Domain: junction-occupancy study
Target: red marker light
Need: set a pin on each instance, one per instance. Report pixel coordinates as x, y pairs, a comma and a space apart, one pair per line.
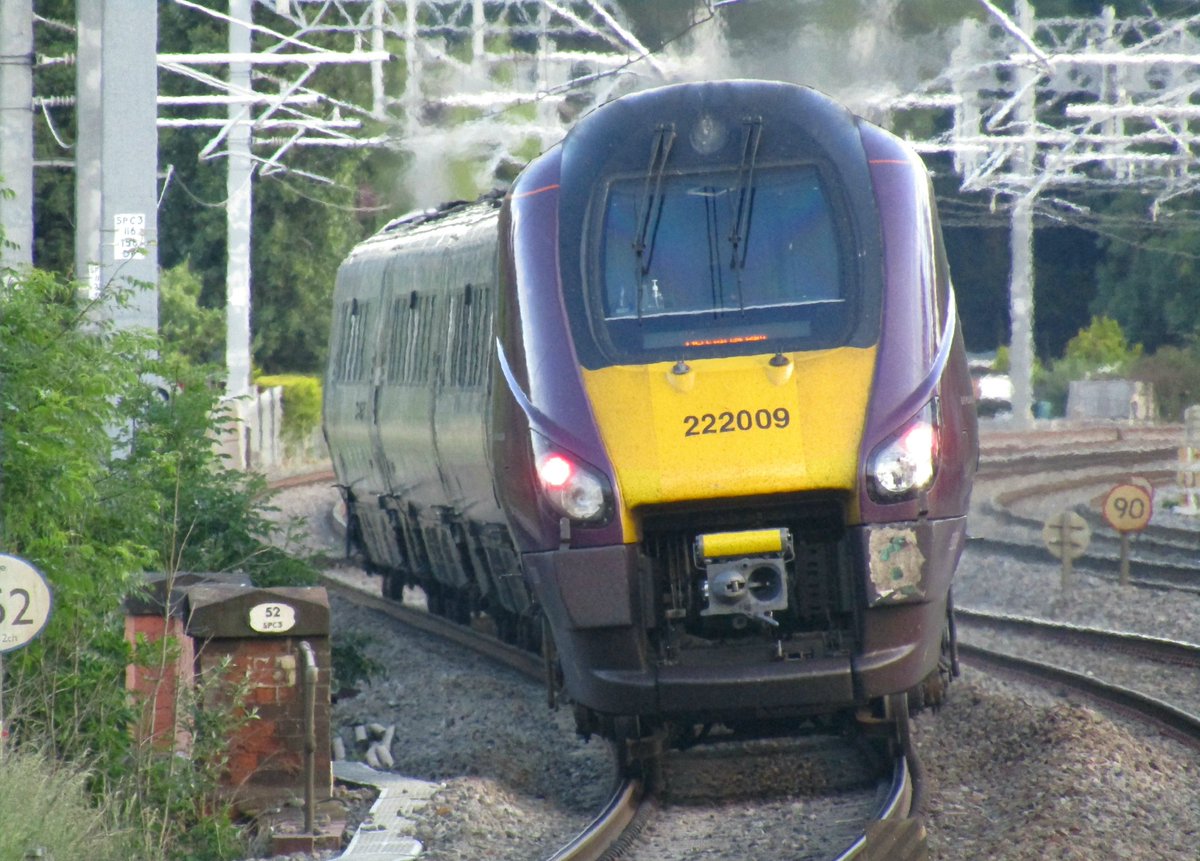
919, 439
555, 471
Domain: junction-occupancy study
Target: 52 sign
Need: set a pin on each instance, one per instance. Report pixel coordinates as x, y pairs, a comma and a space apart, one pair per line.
25, 602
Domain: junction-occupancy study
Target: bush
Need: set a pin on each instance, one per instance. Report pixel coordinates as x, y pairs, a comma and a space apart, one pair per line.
105, 477
1175, 374
301, 407
1099, 352
187, 328
352, 665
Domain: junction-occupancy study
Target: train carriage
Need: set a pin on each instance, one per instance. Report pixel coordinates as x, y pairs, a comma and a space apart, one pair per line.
697, 399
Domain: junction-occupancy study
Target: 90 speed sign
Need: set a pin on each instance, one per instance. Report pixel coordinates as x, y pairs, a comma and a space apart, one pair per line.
1128, 507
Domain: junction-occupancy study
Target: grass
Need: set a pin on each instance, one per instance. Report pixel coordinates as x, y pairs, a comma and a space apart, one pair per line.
47, 812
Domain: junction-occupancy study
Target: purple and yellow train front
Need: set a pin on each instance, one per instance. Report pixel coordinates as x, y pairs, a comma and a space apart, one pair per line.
732, 429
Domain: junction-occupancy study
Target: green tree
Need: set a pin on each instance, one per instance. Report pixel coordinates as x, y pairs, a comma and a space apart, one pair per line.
188, 329
1175, 375
106, 476
1149, 277
1102, 347
1099, 351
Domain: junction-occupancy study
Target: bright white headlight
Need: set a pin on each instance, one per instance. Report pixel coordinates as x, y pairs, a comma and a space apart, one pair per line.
907, 462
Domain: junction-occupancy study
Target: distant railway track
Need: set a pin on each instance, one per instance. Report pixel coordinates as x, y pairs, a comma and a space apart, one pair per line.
318, 476
1157, 649
1152, 653
1088, 462
1144, 573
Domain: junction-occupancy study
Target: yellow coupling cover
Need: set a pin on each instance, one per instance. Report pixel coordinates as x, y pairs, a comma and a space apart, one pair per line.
752, 542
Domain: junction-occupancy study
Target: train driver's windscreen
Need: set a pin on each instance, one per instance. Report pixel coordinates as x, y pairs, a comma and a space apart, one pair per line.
695, 263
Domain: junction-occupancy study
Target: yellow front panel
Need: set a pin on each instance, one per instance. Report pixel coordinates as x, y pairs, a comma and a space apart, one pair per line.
733, 426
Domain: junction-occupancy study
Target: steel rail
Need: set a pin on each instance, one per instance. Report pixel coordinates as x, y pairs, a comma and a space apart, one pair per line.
1144, 574
627, 807
1183, 726
621, 818
1160, 649
520, 660
895, 834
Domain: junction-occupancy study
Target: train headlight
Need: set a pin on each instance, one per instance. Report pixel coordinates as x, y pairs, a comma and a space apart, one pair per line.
906, 462
572, 488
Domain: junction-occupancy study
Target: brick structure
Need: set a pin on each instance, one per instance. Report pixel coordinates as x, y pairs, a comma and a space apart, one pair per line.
266, 754
157, 687
162, 675
259, 633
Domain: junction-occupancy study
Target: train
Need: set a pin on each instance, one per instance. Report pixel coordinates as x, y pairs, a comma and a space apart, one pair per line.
685, 407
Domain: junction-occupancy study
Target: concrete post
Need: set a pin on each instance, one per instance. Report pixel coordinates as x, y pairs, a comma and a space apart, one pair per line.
116, 157
16, 132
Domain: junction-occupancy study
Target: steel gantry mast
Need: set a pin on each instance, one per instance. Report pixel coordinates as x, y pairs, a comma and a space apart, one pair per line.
482, 86
452, 110
1043, 109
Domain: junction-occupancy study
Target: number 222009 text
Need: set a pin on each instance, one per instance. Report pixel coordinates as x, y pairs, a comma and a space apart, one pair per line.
742, 420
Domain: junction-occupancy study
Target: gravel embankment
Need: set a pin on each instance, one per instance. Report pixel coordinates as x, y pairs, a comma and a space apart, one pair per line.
1014, 772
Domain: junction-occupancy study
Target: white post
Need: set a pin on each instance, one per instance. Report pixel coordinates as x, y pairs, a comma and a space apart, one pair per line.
239, 211
1021, 350
16, 132
116, 157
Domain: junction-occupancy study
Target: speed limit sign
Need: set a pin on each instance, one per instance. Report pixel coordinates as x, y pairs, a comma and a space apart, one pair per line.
24, 603
1128, 507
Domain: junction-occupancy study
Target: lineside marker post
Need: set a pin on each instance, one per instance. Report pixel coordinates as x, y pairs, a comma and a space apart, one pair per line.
1128, 508
1189, 462
1066, 535
25, 602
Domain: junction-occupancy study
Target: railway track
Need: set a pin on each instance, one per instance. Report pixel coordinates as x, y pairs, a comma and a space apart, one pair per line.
1145, 696
883, 806
1017, 485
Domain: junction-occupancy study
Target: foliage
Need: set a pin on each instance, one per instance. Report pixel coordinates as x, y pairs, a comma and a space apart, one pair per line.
1003, 361
61, 399
301, 406
1099, 351
188, 330
45, 806
351, 663
296, 257
178, 800
104, 477
213, 518
1175, 374
1149, 278
1102, 347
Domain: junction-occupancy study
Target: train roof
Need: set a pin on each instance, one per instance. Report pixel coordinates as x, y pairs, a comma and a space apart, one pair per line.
432, 229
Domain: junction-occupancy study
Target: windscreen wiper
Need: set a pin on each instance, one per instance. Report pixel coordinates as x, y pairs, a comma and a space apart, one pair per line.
712, 236
649, 211
739, 236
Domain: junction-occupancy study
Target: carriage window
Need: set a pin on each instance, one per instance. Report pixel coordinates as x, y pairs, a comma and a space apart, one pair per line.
723, 256
353, 338
407, 361
470, 325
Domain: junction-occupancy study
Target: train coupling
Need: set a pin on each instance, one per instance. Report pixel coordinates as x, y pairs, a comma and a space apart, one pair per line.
745, 572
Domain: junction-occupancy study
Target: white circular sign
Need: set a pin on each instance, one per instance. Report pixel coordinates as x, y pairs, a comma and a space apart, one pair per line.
272, 618
25, 602
1066, 535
